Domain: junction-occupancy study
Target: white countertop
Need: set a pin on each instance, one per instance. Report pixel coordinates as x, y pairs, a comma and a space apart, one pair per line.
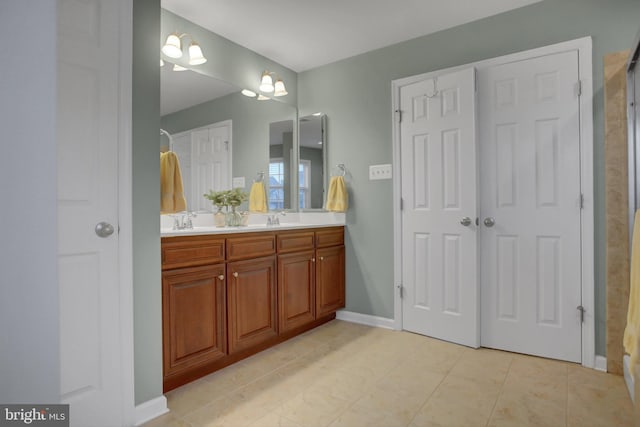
203, 224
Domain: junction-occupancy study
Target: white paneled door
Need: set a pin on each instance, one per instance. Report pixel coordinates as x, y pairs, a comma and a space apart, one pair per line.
530, 206
210, 162
439, 247
92, 325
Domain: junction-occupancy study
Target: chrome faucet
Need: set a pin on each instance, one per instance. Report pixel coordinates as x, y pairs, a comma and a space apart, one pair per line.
273, 219
183, 221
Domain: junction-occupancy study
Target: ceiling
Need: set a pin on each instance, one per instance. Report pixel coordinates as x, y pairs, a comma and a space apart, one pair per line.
305, 34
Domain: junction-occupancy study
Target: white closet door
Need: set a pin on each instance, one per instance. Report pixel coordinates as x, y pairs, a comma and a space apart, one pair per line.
210, 162
438, 162
530, 188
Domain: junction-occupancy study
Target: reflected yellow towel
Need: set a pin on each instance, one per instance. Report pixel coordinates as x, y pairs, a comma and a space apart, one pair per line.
632, 331
258, 198
171, 192
337, 199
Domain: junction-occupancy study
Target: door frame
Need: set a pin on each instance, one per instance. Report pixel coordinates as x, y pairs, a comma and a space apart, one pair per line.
585, 58
125, 210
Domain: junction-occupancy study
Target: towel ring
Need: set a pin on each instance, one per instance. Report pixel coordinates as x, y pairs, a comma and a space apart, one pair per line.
259, 177
342, 169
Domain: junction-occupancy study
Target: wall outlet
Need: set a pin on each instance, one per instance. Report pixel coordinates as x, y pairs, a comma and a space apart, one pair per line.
238, 181
379, 172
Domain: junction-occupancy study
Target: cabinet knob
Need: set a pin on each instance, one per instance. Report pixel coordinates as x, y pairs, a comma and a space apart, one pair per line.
221, 277
321, 258
313, 260
235, 274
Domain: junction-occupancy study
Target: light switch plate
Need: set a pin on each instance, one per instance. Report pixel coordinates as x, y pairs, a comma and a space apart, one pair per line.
379, 172
238, 182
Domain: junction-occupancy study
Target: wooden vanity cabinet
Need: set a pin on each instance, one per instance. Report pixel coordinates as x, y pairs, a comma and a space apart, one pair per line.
251, 302
330, 270
193, 317
329, 280
296, 279
226, 297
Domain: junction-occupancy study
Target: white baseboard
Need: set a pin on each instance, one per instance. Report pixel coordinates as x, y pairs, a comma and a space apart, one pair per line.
601, 364
151, 409
365, 319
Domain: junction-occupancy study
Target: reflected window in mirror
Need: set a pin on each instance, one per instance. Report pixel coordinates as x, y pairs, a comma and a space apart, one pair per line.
304, 184
281, 165
312, 172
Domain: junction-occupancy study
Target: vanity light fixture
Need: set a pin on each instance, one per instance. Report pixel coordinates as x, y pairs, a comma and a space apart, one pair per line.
267, 86
177, 67
173, 49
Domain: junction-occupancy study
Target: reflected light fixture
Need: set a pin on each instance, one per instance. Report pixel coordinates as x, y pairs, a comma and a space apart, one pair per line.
279, 88
261, 97
267, 86
173, 49
266, 83
177, 67
249, 93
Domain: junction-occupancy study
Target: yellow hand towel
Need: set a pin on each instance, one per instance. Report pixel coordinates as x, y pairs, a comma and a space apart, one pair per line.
171, 192
258, 198
337, 199
632, 331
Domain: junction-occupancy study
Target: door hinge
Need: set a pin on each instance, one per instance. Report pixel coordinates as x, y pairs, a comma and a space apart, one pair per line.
399, 115
579, 88
581, 201
581, 310
401, 290
401, 203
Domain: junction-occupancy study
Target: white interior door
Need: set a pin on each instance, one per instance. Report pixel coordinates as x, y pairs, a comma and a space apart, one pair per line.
438, 166
210, 162
530, 188
91, 343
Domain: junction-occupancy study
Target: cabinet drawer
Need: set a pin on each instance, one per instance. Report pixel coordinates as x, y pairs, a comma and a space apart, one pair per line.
295, 241
255, 245
191, 251
330, 237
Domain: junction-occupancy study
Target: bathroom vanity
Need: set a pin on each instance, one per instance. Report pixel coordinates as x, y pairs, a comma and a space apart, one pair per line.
230, 294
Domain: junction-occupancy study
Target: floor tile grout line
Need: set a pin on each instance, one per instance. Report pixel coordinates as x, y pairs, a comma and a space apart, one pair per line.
495, 404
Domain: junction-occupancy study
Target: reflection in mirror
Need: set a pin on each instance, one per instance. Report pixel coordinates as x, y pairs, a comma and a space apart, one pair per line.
221, 137
281, 165
312, 165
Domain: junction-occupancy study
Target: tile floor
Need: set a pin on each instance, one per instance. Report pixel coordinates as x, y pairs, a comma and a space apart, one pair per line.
344, 374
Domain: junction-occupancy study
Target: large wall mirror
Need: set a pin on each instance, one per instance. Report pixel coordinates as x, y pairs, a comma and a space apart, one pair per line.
224, 139
312, 165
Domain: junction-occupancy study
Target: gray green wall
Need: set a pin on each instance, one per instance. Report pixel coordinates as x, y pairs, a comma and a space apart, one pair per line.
147, 296
356, 95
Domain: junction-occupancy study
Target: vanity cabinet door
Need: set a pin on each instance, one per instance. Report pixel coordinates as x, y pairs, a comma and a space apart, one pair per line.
193, 317
330, 280
296, 289
251, 302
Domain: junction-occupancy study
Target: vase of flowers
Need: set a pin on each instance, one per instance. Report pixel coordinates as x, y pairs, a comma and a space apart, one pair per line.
219, 200
235, 198
227, 199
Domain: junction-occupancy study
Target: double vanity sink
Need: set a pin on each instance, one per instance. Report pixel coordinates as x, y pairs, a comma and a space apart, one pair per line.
230, 292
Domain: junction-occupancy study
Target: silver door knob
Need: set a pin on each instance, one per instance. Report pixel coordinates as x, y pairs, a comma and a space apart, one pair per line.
104, 229
466, 221
489, 221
